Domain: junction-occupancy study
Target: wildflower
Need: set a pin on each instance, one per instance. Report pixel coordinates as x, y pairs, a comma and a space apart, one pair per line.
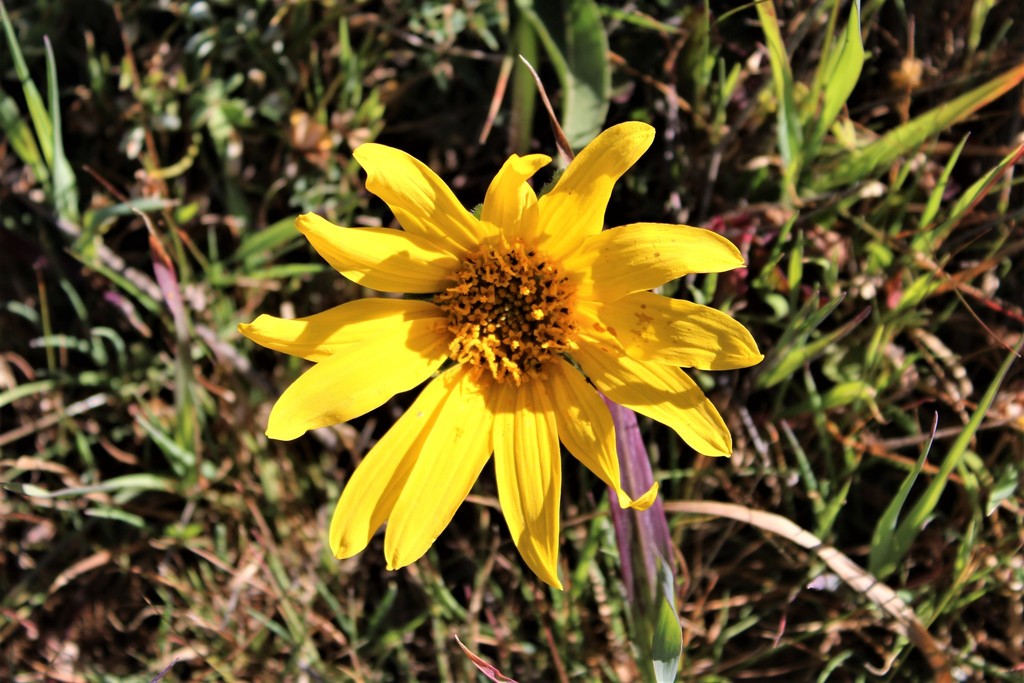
511, 315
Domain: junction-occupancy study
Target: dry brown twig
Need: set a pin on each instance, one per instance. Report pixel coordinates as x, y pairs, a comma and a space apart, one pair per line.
845, 568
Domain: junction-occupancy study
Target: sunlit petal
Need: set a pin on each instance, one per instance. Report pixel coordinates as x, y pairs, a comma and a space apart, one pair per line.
450, 460
661, 392
370, 494
380, 258
681, 333
321, 335
354, 381
640, 256
585, 427
511, 204
420, 200
528, 468
574, 208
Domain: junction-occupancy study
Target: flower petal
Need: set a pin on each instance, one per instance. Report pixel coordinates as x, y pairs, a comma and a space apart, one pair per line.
662, 330
370, 494
420, 200
585, 427
450, 460
661, 392
511, 204
380, 258
355, 380
317, 337
640, 256
574, 208
528, 469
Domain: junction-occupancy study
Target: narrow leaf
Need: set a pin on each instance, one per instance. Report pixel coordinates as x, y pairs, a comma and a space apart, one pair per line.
885, 554
794, 359
65, 185
483, 666
923, 508
931, 208
667, 639
790, 133
574, 38
588, 79
979, 189
667, 643
36, 107
843, 74
20, 136
140, 481
524, 93
182, 460
880, 154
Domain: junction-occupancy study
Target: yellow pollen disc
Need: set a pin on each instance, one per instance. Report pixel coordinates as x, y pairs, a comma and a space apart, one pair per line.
509, 311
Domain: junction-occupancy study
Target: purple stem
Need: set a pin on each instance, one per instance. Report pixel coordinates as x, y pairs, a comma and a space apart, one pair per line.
638, 534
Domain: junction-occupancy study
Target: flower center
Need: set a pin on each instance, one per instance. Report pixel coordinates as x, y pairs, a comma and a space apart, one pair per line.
510, 311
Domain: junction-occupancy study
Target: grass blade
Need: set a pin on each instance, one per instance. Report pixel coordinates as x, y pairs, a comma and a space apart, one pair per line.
524, 92
931, 208
978, 190
842, 73
885, 554
789, 363
923, 508
20, 137
667, 642
790, 133
880, 154
36, 107
65, 186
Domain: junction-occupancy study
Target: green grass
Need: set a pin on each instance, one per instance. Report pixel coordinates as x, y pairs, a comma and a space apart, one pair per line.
153, 157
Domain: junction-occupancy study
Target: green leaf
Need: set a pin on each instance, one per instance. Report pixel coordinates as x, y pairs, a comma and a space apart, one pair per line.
270, 242
524, 90
790, 133
667, 643
845, 393
94, 220
575, 40
931, 208
801, 325
977, 191
117, 514
880, 154
65, 185
885, 553
36, 107
588, 81
140, 481
278, 272
928, 241
923, 508
842, 74
19, 391
20, 137
667, 639
1004, 488
181, 459
805, 353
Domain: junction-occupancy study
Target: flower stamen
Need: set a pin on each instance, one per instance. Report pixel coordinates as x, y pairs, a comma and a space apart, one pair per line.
509, 312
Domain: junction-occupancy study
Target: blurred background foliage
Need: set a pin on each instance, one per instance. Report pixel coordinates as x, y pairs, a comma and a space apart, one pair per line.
153, 158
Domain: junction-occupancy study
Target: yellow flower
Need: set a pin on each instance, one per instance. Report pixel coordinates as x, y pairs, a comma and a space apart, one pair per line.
514, 312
